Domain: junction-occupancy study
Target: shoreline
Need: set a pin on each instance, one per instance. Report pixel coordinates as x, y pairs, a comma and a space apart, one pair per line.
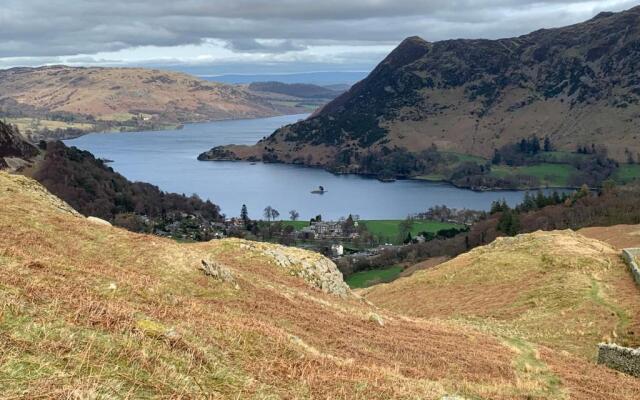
416, 179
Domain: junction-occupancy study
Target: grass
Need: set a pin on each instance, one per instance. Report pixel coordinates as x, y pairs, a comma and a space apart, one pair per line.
92, 311
558, 289
297, 225
37, 124
553, 175
372, 277
390, 229
455, 159
627, 173
119, 117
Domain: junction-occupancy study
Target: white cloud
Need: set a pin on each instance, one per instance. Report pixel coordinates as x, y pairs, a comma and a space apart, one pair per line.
259, 31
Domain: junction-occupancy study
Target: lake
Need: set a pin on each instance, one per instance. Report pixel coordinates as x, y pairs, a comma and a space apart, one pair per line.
168, 159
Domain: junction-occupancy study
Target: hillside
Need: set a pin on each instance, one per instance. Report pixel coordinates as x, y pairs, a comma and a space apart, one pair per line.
14, 150
88, 310
93, 188
302, 90
558, 288
576, 85
48, 100
91, 311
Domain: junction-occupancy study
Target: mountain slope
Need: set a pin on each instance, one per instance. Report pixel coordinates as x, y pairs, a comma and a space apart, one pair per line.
556, 288
88, 310
124, 97
577, 85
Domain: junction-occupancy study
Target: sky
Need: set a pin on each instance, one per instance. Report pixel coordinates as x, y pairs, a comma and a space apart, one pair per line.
255, 36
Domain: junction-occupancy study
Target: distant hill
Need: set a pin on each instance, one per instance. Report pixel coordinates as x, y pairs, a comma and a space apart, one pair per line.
93, 311
302, 90
47, 101
577, 85
314, 78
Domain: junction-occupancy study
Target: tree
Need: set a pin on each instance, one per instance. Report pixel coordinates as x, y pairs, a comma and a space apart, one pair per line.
271, 213
404, 228
509, 223
497, 157
349, 225
547, 144
294, 215
244, 214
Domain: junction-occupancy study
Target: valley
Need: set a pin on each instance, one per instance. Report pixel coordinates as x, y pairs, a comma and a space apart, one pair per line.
286, 200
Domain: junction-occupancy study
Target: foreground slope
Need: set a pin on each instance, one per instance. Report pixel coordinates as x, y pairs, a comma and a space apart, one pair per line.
557, 288
87, 310
577, 84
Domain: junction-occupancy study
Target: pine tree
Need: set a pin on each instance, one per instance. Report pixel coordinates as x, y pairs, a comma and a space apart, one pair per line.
244, 214
547, 144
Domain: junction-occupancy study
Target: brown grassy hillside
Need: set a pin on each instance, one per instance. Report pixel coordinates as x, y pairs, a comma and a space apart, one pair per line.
91, 311
120, 95
618, 236
557, 288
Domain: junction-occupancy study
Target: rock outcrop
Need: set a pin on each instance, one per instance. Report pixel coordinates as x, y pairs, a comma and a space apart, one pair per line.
317, 270
14, 147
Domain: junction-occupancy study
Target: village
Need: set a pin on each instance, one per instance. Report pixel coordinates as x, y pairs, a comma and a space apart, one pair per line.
348, 236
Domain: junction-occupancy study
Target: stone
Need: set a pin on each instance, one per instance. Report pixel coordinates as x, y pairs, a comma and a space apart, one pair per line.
373, 317
317, 270
98, 221
218, 272
623, 359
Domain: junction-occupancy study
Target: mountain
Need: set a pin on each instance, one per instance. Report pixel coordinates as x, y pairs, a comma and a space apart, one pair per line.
14, 149
302, 90
93, 311
576, 85
50, 100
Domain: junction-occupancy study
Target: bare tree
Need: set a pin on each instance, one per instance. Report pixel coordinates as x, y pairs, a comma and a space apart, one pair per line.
294, 215
271, 213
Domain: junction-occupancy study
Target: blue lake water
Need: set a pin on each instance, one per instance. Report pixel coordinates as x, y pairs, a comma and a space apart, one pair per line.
168, 159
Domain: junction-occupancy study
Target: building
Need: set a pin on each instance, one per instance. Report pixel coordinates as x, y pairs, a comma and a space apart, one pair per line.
337, 250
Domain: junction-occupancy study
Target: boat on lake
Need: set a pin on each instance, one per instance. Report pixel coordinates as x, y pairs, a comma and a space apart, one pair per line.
319, 190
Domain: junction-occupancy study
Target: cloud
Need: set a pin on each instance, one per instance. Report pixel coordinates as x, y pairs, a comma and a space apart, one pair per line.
246, 45
261, 29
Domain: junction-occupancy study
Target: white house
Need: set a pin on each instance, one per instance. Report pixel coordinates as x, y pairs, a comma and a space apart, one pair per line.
337, 250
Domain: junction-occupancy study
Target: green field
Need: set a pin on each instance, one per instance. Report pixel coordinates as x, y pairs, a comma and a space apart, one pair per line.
627, 173
369, 278
37, 124
297, 225
553, 175
454, 160
390, 229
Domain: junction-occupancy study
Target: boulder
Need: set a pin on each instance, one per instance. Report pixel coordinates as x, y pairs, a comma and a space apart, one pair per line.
98, 221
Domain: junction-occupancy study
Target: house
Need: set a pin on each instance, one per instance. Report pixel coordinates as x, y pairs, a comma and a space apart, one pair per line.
327, 229
337, 250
